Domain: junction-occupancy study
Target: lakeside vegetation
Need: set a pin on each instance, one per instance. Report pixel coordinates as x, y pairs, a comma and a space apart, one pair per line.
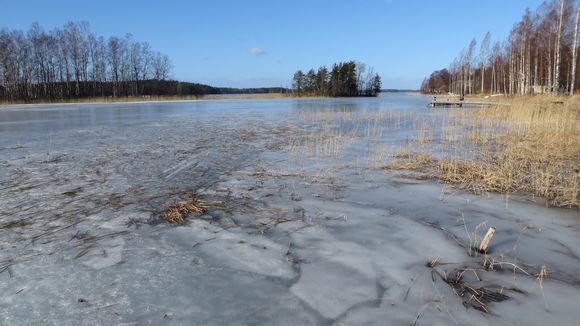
540, 56
529, 146
524, 144
345, 79
520, 144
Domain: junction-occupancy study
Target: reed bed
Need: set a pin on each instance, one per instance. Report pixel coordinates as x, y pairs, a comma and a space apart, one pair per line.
526, 145
531, 146
330, 132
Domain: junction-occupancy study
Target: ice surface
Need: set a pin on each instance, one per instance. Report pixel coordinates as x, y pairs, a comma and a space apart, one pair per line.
304, 229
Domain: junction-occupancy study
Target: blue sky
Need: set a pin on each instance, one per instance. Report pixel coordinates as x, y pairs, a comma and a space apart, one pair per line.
253, 43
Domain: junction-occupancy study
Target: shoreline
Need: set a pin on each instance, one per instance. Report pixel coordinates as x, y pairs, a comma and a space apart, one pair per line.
180, 99
96, 101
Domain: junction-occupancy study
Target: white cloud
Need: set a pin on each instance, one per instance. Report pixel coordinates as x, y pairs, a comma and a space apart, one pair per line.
256, 52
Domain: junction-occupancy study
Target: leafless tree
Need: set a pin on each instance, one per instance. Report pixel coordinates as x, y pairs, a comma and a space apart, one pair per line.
161, 66
484, 57
539, 56
574, 51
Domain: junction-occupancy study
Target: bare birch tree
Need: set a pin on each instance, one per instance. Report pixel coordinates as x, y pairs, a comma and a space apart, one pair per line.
574, 51
557, 49
483, 57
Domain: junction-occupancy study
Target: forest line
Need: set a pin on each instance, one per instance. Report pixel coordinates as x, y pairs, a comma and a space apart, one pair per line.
540, 56
72, 63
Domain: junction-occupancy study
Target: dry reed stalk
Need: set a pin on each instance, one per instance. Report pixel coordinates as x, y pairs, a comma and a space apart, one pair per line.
540, 277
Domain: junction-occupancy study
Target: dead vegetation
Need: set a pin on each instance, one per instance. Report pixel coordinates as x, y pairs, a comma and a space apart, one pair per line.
177, 213
414, 161
471, 296
329, 133
531, 147
468, 284
468, 281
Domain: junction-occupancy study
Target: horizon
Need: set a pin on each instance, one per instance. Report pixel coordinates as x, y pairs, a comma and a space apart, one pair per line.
264, 46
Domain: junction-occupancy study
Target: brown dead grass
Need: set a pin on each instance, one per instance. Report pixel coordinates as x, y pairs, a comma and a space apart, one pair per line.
409, 160
530, 146
177, 213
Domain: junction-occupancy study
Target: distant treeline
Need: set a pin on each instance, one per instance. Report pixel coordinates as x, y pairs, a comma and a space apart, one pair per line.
392, 90
71, 62
540, 56
260, 90
346, 79
56, 91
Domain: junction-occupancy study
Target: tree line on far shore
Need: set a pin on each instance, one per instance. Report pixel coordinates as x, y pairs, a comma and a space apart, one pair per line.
71, 62
540, 56
345, 79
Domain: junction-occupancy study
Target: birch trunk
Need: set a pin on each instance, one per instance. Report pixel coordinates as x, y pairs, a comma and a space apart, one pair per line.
558, 42
574, 52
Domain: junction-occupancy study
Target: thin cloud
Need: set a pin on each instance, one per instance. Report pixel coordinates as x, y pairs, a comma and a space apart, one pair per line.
256, 52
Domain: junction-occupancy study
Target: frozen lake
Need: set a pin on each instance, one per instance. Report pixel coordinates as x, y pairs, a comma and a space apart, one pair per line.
304, 226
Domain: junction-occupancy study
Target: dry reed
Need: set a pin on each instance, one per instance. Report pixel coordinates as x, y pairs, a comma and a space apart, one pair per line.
530, 146
409, 160
175, 214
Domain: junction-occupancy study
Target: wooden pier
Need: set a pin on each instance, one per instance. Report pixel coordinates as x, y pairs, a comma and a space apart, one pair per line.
446, 101
455, 101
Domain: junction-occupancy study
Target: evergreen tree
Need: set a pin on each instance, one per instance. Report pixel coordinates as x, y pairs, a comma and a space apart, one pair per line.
310, 82
298, 82
376, 85
322, 81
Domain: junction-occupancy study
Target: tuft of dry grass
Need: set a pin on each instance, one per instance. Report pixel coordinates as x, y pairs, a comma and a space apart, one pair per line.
478, 177
476, 137
409, 160
175, 214
434, 262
